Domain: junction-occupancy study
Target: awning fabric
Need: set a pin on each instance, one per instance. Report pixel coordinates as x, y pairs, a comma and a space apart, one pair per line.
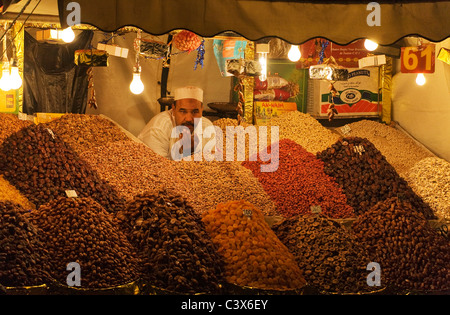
294, 21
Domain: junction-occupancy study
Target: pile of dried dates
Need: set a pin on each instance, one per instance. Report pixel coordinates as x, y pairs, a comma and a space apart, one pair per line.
332, 260
177, 253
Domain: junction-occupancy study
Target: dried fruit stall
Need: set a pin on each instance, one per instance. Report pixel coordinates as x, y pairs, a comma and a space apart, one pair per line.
167, 227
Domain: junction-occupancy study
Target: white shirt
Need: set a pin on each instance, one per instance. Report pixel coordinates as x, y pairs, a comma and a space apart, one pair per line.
157, 134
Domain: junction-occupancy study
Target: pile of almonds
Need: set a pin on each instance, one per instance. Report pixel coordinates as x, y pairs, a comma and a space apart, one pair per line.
298, 182
254, 256
177, 253
80, 230
430, 179
23, 260
215, 182
83, 132
328, 254
42, 167
412, 255
303, 129
245, 141
132, 168
366, 176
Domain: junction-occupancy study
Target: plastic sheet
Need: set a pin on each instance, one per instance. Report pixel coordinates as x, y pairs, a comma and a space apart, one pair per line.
52, 81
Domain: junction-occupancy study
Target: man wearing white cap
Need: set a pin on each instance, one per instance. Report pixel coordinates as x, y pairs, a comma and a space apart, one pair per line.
183, 121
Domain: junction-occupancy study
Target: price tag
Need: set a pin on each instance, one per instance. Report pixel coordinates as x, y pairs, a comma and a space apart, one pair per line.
247, 212
22, 116
418, 59
346, 129
71, 194
316, 209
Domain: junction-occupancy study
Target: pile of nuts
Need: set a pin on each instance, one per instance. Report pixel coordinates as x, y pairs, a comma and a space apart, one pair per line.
132, 168
300, 182
176, 252
430, 179
9, 124
42, 167
400, 150
9, 193
304, 130
220, 181
412, 255
241, 143
366, 177
328, 254
80, 230
253, 254
22, 257
83, 132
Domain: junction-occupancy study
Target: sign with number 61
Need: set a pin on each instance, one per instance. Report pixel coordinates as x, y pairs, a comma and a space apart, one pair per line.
418, 59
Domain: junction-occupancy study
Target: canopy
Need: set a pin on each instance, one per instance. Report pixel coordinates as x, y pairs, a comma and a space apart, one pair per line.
293, 21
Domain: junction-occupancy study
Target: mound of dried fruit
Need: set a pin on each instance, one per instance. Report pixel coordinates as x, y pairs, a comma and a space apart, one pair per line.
83, 132
9, 193
327, 252
23, 261
42, 167
412, 255
253, 254
177, 253
80, 230
296, 181
9, 124
366, 177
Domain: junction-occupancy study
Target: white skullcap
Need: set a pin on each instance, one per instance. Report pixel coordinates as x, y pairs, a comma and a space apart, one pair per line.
189, 92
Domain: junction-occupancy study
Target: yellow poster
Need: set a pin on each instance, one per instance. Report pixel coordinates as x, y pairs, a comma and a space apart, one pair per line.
8, 102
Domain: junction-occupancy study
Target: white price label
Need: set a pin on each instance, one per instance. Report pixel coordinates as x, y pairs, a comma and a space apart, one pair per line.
71, 194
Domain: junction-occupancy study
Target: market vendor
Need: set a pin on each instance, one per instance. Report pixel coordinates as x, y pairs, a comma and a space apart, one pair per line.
180, 131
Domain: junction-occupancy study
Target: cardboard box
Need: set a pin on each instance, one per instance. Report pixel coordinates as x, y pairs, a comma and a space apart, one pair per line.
46, 117
50, 35
372, 61
358, 96
113, 50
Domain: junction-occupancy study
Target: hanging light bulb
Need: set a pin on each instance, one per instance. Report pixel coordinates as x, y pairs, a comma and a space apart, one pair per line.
420, 79
370, 45
136, 85
67, 35
263, 62
16, 80
294, 53
262, 49
5, 81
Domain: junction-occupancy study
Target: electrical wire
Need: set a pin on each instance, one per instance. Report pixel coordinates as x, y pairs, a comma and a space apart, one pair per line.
23, 24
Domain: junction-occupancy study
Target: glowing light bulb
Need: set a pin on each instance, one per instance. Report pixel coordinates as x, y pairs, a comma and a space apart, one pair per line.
420, 79
136, 86
67, 35
5, 82
263, 63
370, 45
15, 79
294, 53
